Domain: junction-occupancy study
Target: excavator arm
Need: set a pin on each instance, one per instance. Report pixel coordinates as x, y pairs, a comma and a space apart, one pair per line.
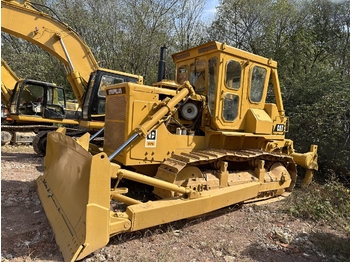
53, 36
8, 82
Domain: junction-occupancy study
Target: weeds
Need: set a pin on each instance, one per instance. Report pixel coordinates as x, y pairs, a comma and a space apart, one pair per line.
329, 202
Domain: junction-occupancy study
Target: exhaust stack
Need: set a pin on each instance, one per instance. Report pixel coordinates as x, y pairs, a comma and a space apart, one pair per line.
161, 64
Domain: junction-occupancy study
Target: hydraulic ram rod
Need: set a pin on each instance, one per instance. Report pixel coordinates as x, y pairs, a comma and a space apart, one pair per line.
127, 174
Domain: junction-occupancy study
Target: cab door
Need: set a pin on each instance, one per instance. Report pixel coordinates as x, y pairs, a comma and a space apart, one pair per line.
230, 94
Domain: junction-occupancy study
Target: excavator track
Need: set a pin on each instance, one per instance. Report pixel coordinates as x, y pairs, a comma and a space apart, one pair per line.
207, 165
33, 134
26, 128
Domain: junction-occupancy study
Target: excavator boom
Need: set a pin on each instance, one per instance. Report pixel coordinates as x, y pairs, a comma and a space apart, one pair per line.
53, 36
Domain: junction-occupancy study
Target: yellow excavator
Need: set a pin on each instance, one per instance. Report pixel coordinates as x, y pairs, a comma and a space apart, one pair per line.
40, 106
174, 150
87, 79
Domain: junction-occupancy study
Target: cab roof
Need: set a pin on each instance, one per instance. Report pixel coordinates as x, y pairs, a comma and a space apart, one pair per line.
215, 47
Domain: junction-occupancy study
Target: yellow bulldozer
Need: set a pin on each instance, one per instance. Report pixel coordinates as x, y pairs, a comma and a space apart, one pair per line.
202, 142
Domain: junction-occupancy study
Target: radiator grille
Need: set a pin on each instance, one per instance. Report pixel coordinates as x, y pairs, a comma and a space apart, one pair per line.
115, 121
116, 108
114, 135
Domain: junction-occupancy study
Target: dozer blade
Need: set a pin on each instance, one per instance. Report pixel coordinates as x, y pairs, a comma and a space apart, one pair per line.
76, 203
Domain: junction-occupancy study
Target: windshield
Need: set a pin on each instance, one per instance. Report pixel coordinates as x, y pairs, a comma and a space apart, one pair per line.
198, 75
257, 84
107, 80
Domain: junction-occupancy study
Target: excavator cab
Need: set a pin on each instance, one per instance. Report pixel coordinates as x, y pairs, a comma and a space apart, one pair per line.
95, 96
38, 99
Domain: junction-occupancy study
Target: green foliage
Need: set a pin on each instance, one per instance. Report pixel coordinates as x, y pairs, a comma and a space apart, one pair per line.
329, 202
320, 114
126, 35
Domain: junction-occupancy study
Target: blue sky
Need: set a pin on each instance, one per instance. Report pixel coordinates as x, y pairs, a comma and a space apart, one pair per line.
210, 7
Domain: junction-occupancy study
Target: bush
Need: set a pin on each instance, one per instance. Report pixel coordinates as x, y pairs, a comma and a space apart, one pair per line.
329, 202
323, 120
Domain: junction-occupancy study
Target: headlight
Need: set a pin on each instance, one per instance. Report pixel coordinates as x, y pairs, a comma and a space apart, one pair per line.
4, 112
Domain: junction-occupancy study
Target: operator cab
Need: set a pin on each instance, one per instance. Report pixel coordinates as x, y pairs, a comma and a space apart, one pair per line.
38, 99
95, 96
235, 85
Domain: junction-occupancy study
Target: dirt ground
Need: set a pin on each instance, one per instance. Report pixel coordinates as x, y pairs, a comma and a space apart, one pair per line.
236, 233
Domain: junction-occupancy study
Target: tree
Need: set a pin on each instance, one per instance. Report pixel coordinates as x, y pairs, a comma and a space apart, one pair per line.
187, 25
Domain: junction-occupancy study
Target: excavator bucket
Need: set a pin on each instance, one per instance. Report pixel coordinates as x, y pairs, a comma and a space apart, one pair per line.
76, 203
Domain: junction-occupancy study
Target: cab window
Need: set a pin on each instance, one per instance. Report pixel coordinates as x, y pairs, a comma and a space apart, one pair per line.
107, 80
212, 83
230, 110
55, 96
233, 75
55, 103
198, 74
32, 93
257, 84
182, 74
